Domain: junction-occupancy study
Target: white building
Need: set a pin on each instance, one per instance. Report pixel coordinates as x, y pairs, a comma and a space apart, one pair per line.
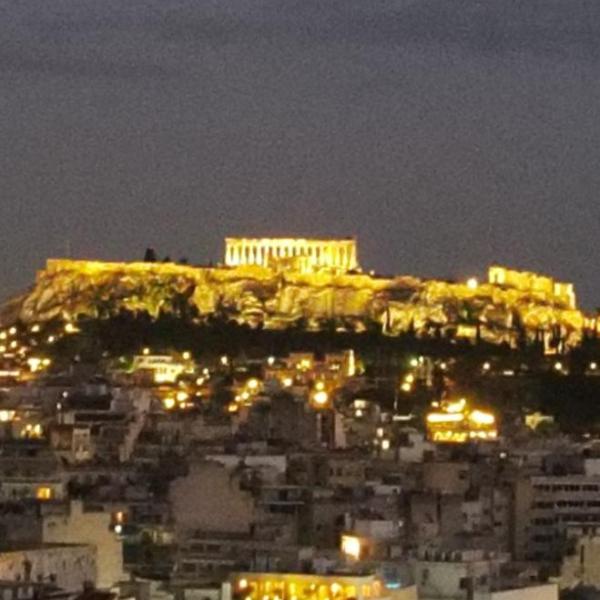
474, 575
581, 563
78, 526
68, 566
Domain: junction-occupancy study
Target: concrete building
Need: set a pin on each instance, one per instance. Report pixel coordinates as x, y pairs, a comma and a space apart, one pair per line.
447, 477
476, 575
581, 562
78, 526
207, 557
67, 566
545, 506
210, 498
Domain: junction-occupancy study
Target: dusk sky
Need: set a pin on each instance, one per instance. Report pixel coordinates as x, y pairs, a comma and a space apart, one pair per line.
445, 135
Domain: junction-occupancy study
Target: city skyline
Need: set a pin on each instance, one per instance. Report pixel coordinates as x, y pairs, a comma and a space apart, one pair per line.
454, 274
298, 300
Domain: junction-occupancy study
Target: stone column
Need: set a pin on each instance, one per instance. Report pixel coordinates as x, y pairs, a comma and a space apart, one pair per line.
260, 254
263, 260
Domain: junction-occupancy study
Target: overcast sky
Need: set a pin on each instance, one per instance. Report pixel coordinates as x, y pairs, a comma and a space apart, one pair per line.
444, 134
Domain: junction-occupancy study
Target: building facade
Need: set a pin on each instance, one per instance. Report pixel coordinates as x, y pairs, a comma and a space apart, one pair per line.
545, 507
311, 586
524, 281
68, 566
307, 255
93, 529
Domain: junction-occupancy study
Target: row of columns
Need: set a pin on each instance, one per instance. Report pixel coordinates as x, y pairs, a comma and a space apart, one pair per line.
334, 254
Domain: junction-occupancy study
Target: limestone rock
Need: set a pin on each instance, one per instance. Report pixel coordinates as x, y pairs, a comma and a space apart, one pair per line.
275, 299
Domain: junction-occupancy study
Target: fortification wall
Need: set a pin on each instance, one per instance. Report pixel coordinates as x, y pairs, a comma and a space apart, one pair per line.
272, 298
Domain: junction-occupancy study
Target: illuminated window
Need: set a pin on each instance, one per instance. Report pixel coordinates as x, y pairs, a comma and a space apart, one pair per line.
44, 493
351, 546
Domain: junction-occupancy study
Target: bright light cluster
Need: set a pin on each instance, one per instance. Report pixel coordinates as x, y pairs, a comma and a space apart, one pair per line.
456, 422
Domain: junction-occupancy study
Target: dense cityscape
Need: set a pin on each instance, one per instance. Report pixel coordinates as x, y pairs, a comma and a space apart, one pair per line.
285, 426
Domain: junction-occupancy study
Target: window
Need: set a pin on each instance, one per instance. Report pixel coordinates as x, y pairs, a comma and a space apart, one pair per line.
188, 567
44, 493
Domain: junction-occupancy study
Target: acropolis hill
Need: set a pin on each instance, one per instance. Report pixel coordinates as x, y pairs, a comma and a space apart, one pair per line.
276, 283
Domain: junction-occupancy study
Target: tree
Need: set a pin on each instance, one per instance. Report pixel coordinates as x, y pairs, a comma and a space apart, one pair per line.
150, 255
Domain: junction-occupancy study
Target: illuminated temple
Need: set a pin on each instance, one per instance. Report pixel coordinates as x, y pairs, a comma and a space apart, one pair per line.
306, 255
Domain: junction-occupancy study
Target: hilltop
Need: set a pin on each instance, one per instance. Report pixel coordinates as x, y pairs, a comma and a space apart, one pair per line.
511, 307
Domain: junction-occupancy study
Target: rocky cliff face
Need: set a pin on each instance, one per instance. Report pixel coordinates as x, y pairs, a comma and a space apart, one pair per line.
256, 295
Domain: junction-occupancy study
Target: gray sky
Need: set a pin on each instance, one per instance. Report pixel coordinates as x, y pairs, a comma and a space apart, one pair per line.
445, 134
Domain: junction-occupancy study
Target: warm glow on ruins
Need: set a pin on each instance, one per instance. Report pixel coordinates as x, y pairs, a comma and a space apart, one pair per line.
306, 255
274, 282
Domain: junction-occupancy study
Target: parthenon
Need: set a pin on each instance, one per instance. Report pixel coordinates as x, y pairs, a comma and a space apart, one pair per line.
307, 255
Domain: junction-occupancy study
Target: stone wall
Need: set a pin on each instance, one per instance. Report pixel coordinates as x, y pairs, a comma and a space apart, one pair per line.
275, 299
